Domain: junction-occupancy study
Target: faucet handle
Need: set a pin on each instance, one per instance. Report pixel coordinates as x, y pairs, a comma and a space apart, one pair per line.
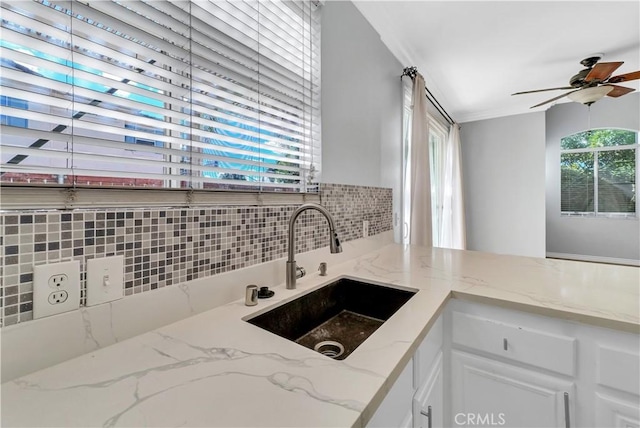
323, 269
251, 295
300, 272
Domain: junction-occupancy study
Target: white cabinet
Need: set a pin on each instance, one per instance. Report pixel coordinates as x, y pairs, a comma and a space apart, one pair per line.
428, 401
520, 364
490, 393
510, 369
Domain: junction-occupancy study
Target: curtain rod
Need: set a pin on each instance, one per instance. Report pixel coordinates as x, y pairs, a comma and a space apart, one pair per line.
411, 72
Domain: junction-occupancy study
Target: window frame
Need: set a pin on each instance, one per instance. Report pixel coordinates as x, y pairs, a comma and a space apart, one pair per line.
64, 197
596, 150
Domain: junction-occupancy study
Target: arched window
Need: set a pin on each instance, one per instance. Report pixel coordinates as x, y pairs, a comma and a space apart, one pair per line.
599, 173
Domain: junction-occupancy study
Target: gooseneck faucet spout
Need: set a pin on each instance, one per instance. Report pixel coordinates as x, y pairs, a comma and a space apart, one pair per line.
334, 242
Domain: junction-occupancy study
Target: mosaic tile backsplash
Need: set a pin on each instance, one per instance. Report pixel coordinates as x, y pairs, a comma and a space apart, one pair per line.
168, 246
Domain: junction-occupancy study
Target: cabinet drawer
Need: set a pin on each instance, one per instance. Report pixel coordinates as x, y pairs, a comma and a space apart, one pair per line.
537, 348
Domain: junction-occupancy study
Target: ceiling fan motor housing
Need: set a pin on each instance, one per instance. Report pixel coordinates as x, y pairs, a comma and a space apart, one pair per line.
577, 81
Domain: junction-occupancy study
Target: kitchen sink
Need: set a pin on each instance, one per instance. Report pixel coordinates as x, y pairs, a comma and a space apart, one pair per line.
336, 318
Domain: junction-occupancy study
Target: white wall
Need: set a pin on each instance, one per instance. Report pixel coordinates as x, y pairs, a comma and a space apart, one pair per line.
361, 103
598, 237
504, 178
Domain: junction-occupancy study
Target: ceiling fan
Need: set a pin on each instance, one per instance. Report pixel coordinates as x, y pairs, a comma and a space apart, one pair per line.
593, 82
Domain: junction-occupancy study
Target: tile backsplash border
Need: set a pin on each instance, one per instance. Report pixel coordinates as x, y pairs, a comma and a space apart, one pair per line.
170, 246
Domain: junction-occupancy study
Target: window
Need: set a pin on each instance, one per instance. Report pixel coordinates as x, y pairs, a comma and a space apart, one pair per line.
599, 173
174, 94
438, 158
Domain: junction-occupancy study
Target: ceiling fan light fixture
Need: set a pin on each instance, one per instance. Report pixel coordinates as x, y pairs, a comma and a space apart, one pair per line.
589, 96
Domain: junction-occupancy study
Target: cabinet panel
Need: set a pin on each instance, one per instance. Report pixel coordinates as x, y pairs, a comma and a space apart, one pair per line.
429, 398
426, 353
616, 413
490, 393
395, 409
619, 369
515, 342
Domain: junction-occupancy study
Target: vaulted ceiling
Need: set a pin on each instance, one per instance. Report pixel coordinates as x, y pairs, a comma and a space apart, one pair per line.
475, 54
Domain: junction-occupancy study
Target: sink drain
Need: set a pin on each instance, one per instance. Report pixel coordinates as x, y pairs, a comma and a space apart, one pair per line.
329, 348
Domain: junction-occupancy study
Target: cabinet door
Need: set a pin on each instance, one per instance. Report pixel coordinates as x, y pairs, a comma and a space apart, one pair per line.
428, 400
491, 393
616, 413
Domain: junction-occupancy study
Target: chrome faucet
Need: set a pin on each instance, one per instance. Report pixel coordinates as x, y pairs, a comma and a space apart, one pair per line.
334, 242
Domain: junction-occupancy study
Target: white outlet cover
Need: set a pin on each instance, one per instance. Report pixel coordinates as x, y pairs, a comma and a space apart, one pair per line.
105, 279
52, 280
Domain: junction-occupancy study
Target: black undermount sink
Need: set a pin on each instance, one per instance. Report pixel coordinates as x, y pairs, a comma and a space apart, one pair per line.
335, 319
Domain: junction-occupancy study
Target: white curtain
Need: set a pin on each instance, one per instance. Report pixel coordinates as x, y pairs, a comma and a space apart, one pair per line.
407, 117
452, 233
419, 183
432, 206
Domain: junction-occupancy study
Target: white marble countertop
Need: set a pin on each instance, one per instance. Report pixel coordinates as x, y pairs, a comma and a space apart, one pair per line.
214, 369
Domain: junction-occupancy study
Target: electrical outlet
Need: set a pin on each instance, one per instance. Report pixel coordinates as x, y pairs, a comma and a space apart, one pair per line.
365, 228
104, 279
58, 297
56, 288
58, 281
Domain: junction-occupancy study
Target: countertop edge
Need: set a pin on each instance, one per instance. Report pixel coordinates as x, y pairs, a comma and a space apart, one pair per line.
573, 315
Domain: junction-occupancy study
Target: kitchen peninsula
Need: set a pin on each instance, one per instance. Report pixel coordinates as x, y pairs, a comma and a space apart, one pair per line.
215, 369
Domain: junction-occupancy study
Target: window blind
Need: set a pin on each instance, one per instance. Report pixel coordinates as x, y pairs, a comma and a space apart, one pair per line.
166, 94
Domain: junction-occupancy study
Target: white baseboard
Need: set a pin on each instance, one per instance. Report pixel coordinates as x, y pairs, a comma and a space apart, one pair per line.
596, 259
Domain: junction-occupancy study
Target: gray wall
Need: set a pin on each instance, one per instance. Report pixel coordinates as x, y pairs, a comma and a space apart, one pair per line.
361, 103
600, 237
504, 183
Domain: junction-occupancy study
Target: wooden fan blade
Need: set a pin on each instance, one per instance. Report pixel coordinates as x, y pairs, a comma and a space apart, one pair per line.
555, 98
625, 77
602, 70
619, 91
543, 90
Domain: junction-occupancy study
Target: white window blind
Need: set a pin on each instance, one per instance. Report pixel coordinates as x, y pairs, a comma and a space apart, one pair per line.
165, 94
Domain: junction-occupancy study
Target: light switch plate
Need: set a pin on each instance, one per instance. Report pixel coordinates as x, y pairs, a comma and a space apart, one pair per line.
104, 279
56, 288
